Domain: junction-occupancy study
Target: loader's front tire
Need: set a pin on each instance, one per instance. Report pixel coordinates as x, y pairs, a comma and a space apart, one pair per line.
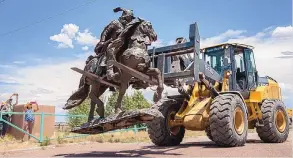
228, 120
276, 124
158, 129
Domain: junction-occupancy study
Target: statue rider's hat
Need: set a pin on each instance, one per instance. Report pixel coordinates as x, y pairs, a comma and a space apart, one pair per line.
126, 12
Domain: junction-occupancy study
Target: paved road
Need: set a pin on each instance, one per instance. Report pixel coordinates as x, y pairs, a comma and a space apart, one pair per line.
194, 147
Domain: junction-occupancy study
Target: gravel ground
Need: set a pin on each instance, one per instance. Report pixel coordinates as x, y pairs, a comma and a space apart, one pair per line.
193, 147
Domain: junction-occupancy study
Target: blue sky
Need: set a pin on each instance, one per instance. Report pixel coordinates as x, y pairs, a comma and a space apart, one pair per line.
32, 64
169, 19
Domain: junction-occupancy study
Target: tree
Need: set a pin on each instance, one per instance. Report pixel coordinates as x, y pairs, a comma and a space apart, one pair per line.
135, 101
82, 109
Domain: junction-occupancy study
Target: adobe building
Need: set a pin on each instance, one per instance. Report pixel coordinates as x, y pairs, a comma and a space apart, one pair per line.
18, 120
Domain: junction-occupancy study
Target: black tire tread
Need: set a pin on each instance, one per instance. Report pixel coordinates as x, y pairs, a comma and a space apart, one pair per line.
268, 133
209, 132
158, 130
221, 119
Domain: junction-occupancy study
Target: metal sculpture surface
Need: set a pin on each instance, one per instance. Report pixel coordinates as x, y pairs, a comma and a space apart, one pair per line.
135, 57
127, 51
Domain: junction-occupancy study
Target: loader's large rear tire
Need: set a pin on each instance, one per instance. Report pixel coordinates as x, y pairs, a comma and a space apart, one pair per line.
228, 120
276, 124
158, 129
209, 133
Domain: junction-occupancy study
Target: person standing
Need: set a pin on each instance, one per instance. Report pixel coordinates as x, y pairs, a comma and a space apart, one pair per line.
7, 107
29, 116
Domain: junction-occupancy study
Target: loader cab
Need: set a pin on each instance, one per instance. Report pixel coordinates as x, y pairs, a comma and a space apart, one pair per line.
244, 68
237, 58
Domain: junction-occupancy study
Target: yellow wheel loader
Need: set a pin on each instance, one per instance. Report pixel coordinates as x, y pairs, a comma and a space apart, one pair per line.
219, 92
290, 113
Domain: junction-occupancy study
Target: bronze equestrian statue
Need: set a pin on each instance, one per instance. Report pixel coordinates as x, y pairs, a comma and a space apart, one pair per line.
126, 41
97, 65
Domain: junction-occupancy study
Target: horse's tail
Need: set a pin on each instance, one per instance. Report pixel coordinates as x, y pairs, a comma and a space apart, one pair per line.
77, 97
81, 94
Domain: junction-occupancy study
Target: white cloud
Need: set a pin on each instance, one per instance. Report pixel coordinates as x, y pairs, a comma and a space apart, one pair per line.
286, 86
50, 84
85, 48
6, 66
19, 62
65, 36
5, 78
70, 33
171, 42
221, 37
63, 39
158, 43
86, 38
161, 43
85, 55
70, 30
283, 32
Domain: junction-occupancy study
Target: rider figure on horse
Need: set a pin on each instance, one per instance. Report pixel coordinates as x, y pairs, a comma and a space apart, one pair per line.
109, 34
127, 36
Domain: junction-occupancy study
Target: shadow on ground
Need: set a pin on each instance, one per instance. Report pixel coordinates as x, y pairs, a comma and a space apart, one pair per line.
150, 150
142, 152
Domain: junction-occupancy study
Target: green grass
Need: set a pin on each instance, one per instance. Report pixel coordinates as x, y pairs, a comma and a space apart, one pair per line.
7, 138
46, 142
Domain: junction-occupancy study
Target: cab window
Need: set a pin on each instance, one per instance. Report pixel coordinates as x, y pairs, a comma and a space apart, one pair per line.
215, 60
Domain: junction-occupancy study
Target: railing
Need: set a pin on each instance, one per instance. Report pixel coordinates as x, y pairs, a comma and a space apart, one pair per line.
41, 137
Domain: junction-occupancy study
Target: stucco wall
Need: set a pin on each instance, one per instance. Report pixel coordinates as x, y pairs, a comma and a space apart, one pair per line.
18, 120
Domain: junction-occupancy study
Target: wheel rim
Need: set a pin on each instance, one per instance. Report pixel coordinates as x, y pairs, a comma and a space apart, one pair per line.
239, 120
173, 130
280, 121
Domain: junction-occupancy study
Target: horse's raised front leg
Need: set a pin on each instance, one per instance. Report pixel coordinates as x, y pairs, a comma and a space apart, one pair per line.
123, 87
96, 91
155, 72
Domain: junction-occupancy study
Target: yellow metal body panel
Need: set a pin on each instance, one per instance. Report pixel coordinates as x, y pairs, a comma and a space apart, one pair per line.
194, 113
195, 118
270, 91
253, 110
290, 112
199, 92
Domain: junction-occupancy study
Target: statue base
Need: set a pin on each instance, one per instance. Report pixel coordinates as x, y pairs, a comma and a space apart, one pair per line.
118, 121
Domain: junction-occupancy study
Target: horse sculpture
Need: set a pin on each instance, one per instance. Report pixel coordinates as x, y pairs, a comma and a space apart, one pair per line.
133, 56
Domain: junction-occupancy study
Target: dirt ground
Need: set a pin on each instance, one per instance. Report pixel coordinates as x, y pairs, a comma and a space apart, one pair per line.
192, 147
